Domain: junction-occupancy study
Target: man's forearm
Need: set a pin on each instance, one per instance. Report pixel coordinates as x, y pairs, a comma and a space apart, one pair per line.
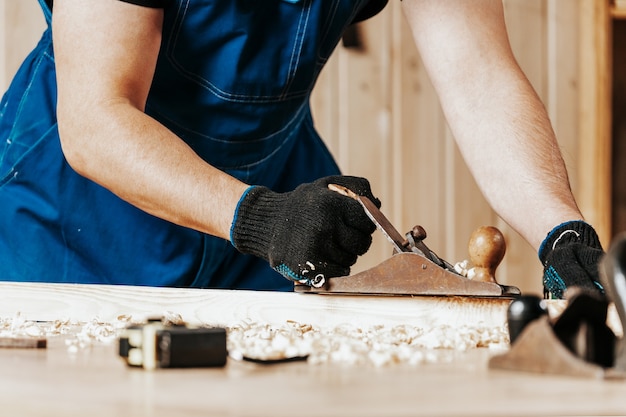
508, 143
497, 119
145, 164
105, 56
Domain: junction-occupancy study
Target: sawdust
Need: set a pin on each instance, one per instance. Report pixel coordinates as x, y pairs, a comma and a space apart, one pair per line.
340, 345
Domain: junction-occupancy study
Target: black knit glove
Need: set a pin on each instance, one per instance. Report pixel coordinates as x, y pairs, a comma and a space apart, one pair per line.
570, 255
308, 234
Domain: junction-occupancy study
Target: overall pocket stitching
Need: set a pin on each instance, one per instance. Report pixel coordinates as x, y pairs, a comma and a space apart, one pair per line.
327, 29
297, 46
210, 86
288, 126
27, 90
14, 171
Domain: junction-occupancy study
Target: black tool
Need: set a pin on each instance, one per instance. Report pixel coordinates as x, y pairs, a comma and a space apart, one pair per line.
155, 345
523, 310
613, 275
579, 342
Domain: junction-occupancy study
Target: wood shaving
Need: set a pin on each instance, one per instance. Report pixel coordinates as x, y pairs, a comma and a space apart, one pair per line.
350, 345
17, 326
465, 268
79, 334
95, 332
346, 344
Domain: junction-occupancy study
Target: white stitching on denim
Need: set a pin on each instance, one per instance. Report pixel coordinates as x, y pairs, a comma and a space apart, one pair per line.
240, 98
297, 47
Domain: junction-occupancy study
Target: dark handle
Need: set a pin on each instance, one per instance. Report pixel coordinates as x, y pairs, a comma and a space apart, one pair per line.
522, 311
352, 38
613, 272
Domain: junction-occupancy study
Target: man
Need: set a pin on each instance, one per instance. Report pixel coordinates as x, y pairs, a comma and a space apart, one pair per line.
160, 142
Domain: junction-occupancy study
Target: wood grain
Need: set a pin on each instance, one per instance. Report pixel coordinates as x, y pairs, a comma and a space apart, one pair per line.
227, 307
49, 302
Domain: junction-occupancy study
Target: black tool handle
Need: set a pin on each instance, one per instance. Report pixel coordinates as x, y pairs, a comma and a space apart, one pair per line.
522, 311
613, 273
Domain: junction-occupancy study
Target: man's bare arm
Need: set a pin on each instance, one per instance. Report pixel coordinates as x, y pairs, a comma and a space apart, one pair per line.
105, 52
499, 122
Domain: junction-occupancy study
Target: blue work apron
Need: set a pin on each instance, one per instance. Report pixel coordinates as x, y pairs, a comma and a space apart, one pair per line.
233, 80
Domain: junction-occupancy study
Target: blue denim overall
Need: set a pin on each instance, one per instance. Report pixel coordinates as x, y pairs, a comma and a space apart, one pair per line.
233, 81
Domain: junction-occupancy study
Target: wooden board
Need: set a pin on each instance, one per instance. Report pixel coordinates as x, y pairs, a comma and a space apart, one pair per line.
48, 302
227, 307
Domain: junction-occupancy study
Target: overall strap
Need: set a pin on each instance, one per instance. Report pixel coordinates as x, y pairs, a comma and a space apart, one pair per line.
46, 6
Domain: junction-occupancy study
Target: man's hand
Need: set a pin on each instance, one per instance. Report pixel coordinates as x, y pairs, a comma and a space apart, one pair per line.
308, 234
570, 255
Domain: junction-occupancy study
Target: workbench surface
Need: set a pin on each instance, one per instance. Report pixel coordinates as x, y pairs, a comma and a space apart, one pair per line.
94, 381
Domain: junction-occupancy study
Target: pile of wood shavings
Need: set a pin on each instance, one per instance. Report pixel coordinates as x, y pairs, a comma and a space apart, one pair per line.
350, 345
341, 345
96, 331
18, 326
79, 334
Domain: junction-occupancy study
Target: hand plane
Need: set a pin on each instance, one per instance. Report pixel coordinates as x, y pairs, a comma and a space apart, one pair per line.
414, 269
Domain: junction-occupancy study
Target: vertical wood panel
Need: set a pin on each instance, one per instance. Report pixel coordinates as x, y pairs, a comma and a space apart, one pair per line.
21, 26
562, 79
3, 46
358, 82
527, 27
595, 116
420, 132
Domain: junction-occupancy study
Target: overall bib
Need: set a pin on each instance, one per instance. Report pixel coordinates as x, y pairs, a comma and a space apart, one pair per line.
233, 81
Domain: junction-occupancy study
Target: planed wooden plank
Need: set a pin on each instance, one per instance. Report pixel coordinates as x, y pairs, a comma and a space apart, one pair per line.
48, 302
84, 302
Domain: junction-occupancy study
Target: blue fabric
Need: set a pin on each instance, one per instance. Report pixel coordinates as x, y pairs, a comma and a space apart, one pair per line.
244, 109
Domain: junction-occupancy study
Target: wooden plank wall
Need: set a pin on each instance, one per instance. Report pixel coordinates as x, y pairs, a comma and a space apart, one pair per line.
21, 25
379, 114
594, 195
3, 45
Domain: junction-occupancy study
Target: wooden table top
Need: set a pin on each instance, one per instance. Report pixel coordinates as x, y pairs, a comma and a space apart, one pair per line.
94, 381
